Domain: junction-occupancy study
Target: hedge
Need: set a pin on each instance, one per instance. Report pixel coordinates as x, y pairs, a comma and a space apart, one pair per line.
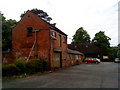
39, 65
22, 67
10, 70
21, 64
34, 66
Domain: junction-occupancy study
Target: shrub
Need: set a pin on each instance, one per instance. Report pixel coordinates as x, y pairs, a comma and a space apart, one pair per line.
10, 70
21, 67
37, 65
21, 64
45, 64
34, 66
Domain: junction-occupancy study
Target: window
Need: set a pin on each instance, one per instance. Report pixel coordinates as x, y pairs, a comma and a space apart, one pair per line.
65, 39
53, 34
70, 56
59, 40
76, 57
64, 55
29, 31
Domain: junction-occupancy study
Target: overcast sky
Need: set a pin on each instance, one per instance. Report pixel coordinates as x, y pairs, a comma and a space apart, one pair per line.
92, 15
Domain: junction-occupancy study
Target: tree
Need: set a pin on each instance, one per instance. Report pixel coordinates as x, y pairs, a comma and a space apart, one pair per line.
119, 45
43, 15
7, 26
113, 53
102, 41
118, 52
81, 37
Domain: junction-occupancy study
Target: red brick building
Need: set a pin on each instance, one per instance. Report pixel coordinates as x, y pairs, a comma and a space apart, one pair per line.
33, 37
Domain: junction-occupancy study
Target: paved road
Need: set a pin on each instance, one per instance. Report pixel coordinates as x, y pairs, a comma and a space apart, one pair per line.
103, 75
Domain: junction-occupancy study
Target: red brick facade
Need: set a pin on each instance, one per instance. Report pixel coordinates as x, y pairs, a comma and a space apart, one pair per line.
33, 37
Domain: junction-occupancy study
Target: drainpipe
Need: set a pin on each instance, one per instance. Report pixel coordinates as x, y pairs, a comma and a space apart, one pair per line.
36, 45
50, 51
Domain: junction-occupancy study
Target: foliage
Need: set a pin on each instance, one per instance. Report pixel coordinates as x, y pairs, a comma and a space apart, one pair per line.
81, 36
21, 64
119, 45
7, 26
33, 66
38, 65
10, 70
22, 67
102, 41
40, 13
113, 53
118, 52
45, 64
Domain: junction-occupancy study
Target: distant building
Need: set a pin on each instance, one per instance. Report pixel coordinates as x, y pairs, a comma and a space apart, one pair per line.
89, 50
75, 57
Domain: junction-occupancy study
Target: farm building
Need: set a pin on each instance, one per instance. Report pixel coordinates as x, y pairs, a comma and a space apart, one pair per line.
89, 50
33, 37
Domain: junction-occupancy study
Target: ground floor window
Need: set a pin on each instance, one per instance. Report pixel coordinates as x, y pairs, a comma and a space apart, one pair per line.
70, 57
76, 57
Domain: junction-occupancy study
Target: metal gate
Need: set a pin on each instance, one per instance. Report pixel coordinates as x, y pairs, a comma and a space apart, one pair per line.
57, 60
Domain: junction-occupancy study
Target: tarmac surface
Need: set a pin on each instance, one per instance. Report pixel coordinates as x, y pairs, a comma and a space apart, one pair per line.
103, 75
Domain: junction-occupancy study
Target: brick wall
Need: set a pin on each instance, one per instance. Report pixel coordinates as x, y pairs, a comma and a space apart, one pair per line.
8, 57
22, 44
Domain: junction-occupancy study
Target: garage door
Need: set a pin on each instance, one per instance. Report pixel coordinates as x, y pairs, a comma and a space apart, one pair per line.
57, 58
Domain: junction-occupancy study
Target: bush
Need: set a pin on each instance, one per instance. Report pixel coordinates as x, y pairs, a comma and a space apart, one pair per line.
10, 70
45, 64
21, 64
34, 66
39, 65
21, 67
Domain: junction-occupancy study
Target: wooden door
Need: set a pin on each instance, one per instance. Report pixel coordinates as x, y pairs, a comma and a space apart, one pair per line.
57, 60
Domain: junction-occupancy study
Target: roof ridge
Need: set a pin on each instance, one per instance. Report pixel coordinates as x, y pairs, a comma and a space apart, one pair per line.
51, 26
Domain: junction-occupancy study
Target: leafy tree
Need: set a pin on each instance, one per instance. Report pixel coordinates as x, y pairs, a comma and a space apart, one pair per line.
113, 53
7, 26
118, 52
40, 13
102, 41
119, 45
81, 36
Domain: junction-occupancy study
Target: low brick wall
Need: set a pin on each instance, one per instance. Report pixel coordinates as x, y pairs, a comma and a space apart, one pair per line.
7, 57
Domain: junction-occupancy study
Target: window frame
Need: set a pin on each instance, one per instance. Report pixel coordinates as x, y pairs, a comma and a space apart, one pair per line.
60, 40
29, 31
53, 34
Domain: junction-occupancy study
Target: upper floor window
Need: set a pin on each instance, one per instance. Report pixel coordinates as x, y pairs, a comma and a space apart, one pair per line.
53, 34
59, 41
65, 39
29, 31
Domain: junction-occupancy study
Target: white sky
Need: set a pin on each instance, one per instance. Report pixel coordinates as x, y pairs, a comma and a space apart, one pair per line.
92, 15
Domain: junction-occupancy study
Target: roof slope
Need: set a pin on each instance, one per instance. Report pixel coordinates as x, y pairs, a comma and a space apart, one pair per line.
85, 48
51, 25
74, 52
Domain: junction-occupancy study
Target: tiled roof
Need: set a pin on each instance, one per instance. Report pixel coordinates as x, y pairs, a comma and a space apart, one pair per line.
74, 52
85, 48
